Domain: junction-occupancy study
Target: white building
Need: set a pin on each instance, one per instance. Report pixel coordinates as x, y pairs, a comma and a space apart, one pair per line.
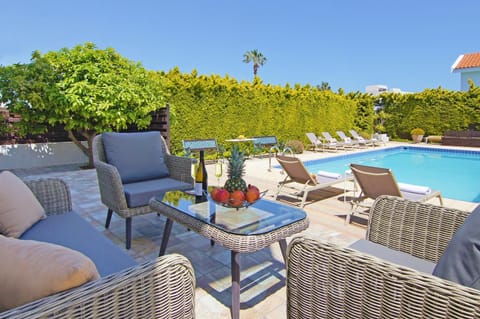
381, 88
468, 65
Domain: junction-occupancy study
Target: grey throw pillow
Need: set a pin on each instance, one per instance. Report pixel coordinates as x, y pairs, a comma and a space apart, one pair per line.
460, 262
137, 156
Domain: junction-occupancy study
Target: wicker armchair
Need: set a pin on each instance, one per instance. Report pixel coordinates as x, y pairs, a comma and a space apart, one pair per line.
328, 281
112, 190
160, 288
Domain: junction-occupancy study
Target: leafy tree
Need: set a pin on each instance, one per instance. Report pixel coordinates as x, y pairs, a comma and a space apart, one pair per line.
85, 89
256, 57
324, 86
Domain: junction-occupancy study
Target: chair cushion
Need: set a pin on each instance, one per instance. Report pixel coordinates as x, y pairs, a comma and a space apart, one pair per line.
72, 231
137, 156
32, 270
393, 256
139, 194
461, 260
19, 208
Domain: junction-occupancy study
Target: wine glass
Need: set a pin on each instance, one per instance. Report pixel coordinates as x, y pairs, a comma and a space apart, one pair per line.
219, 170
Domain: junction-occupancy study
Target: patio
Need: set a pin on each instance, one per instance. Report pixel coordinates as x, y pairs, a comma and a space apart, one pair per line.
263, 291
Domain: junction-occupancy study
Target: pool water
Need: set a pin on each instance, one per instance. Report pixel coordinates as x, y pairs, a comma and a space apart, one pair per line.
455, 173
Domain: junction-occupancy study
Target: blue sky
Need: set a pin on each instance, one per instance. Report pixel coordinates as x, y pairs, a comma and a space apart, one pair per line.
350, 44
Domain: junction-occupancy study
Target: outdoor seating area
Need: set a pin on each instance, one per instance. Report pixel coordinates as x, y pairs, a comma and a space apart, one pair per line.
213, 281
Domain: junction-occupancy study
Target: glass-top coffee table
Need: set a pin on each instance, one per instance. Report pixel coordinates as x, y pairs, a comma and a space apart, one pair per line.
239, 230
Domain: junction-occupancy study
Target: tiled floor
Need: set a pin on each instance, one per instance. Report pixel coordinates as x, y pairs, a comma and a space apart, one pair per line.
263, 273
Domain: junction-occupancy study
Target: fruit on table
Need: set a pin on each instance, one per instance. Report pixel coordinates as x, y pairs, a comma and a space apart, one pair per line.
237, 198
236, 169
220, 195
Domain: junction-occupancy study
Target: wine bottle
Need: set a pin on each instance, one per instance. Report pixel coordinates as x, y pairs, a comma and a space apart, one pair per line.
201, 177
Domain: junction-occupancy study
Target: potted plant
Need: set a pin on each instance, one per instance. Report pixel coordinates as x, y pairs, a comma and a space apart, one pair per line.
417, 134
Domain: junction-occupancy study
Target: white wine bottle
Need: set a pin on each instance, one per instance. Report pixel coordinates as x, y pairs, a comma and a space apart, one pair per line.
201, 177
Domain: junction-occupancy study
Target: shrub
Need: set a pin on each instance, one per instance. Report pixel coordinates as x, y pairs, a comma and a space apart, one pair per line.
417, 131
295, 145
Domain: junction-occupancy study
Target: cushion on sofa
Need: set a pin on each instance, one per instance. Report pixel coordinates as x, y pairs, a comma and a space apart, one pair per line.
461, 260
393, 256
138, 194
19, 208
31, 270
72, 231
137, 156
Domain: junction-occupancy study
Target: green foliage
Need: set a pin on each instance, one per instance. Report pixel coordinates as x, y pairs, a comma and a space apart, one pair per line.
434, 110
86, 89
257, 58
223, 108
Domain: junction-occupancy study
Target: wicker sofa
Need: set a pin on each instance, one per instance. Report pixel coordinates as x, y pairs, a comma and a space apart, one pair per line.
325, 280
160, 288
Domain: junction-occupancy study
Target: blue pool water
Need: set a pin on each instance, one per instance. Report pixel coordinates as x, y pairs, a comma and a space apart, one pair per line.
455, 173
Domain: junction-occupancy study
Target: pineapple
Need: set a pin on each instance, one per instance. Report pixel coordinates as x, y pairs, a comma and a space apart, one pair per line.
236, 167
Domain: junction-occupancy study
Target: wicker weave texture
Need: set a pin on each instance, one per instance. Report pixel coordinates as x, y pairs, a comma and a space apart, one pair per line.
238, 243
161, 288
419, 229
53, 194
328, 281
110, 184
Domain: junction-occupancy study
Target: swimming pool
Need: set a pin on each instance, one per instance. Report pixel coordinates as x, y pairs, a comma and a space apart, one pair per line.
456, 173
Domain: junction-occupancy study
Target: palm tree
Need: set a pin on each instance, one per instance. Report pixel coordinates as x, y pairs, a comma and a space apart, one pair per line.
256, 57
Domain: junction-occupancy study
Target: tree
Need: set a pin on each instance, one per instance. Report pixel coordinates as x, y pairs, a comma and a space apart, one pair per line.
85, 89
324, 86
256, 57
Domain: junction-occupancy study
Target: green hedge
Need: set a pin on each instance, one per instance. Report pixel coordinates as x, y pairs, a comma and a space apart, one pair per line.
223, 108
434, 110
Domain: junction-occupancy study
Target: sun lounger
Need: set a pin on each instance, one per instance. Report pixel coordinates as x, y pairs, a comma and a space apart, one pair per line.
315, 142
332, 142
377, 181
348, 140
362, 140
299, 178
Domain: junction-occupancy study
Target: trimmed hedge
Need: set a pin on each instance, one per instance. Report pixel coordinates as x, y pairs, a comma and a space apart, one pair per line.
223, 108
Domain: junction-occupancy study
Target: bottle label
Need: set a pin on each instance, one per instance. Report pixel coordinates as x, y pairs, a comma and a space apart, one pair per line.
198, 189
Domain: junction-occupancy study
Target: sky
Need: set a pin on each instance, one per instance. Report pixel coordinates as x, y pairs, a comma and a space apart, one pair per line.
410, 45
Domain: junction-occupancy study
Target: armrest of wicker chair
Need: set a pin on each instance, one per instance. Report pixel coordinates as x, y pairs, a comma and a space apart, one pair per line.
328, 281
110, 186
180, 167
419, 229
53, 194
160, 288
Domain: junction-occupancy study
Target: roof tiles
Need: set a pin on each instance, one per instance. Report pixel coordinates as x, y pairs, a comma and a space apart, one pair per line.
469, 60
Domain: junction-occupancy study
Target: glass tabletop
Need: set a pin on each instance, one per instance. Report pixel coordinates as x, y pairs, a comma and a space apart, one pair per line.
262, 217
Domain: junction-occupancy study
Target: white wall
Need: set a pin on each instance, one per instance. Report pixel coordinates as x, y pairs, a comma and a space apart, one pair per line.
474, 76
40, 155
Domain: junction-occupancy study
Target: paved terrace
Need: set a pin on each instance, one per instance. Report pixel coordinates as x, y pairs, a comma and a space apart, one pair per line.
263, 292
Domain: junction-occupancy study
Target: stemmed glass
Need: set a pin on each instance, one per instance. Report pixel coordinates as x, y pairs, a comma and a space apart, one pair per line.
219, 170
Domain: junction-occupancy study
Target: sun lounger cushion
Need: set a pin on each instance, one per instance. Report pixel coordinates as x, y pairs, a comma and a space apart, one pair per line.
19, 208
416, 189
139, 193
460, 261
394, 256
31, 270
72, 231
137, 156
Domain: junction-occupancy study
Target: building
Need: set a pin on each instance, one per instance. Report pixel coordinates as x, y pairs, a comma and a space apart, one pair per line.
468, 65
381, 88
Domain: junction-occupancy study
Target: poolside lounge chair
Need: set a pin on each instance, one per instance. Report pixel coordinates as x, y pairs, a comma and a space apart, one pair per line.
361, 140
315, 142
347, 140
297, 174
376, 181
332, 142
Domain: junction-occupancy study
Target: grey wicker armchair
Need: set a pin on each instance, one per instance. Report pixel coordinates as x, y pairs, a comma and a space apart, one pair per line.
113, 192
161, 288
325, 280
